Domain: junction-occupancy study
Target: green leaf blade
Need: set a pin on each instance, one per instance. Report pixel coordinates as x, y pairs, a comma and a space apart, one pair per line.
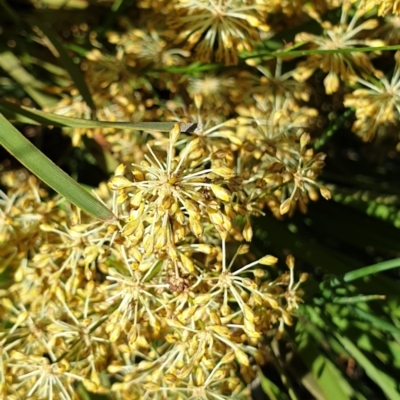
25, 152
30, 115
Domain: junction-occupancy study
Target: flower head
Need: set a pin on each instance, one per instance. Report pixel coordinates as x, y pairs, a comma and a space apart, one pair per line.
340, 36
222, 27
377, 103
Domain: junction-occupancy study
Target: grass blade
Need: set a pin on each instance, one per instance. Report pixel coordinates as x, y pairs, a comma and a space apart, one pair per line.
376, 321
300, 53
32, 116
271, 390
25, 152
32, 86
57, 48
371, 269
387, 384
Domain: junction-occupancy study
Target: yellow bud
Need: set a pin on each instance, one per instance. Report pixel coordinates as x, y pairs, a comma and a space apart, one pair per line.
219, 375
130, 227
225, 310
60, 294
136, 254
204, 248
370, 24
170, 379
221, 193
199, 313
247, 231
325, 193
150, 386
179, 216
248, 313
258, 273
185, 371
119, 182
198, 100
253, 21
144, 365
115, 333
303, 277
120, 170
220, 330
21, 318
187, 263
270, 301
215, 216
195, 226
202, 298
187, 313
268, 260
138, 175
285, 206
46, 227
161, 238
194, 37
174, 134
132, 337
136, 200
122, 197
136, 213
178, 231
91, 386
304, 139
167, 202
209, 364
286, 318
225, 172
79, 228
114, 369
242, 357
290, 261
228, 357
192, 208
169, 338
214, 318
250, 329
199, 376
331, 83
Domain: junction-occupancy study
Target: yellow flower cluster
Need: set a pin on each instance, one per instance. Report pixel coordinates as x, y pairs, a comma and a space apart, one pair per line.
153, 299
168, 301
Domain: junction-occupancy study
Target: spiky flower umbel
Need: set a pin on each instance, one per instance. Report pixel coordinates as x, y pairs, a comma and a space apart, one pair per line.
155, 293
170, 300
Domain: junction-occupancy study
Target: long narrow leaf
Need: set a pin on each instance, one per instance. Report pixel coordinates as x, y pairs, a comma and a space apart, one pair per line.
387, 384
25, 152
32, 86
30, 115
372, 269
271, 390
376, 321
59, 51
299, 53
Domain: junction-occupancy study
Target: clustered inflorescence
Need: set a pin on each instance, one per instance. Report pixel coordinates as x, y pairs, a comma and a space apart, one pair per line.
168, 301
